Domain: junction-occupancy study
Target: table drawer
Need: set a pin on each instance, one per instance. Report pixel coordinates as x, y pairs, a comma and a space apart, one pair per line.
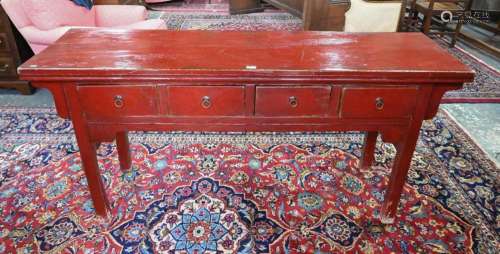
206, 100
394, 102
117, 101
7, 67
292, 101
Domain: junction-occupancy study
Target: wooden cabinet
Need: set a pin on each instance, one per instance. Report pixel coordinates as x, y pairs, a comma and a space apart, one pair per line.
13, 51
245, 6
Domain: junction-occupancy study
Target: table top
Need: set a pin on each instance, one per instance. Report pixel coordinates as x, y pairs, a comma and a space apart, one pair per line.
94, 53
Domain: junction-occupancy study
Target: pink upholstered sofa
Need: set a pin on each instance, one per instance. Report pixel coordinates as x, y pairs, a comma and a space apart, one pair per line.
42, 22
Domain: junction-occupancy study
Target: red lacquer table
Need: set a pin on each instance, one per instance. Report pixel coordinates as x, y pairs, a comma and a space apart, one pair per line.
109, 82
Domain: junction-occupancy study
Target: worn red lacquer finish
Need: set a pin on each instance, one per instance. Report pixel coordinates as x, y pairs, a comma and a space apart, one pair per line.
109, 82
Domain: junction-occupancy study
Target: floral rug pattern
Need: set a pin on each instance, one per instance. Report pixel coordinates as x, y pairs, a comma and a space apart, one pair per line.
486, 84
242, 193
274, 21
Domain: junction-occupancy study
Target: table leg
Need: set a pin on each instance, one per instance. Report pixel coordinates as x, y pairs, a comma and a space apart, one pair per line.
88, 153
369, 149
405, 149
96, 186
122, 145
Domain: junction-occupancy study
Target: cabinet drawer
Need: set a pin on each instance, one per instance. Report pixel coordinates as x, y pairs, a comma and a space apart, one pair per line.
4, 43
393, 102
206, 100
292, 101
116, 101
7, 67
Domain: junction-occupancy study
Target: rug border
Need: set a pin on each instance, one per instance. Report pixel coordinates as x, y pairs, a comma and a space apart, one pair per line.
451, 100
471, 139
495, 70
469, 100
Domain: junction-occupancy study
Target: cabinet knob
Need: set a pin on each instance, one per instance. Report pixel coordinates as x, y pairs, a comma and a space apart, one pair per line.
379, 103
118, 101
206, 102
293, 101
4, 68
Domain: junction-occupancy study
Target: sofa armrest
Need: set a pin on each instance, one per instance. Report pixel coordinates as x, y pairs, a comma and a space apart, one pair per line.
45, 37
119, 15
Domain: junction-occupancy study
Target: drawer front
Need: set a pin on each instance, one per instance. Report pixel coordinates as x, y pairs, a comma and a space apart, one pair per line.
292, 101
396, 102
206, 100
7, 67
4, 43
117, 101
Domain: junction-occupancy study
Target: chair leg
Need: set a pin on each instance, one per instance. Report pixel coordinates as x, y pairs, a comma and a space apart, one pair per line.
412, 17
427, 22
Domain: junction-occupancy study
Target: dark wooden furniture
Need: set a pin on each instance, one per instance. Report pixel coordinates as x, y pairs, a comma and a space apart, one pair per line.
385, 83
245, 6
434, 9
13, 51
324, 15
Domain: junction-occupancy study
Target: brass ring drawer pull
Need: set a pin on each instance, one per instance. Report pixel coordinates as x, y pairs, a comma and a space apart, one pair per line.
4, 68
293, 101
206, 102
379, 103
118, 101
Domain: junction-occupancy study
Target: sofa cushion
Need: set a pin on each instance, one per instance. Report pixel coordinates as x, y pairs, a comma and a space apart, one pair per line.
16, 13
49, 14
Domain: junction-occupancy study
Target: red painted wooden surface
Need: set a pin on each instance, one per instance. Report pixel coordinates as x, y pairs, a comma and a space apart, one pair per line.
205, 100
292, 101
361, 102
101, 102
91, 53
110, 82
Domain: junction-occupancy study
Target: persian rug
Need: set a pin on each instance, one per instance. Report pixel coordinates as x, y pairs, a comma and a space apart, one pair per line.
265, 21
242, 193
484, 89
486, 85
221, 6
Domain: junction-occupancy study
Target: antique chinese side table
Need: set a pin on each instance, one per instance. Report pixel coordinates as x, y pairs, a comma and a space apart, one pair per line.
109, 82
